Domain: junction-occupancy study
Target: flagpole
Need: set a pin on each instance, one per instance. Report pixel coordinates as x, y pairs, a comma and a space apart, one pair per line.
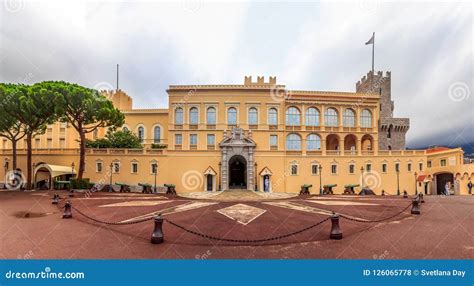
373, 48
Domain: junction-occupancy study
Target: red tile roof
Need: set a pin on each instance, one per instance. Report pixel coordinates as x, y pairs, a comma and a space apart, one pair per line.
437, 149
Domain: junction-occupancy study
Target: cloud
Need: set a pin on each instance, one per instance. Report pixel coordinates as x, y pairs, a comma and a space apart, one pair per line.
314, 46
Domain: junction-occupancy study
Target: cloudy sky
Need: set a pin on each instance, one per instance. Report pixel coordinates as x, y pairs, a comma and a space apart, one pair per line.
307, 45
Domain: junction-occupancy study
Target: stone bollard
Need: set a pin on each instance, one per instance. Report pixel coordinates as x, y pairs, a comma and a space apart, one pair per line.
422, 200
405, 194
415, 207
157, 236
67, 210
55, 199
383, 192
336, 232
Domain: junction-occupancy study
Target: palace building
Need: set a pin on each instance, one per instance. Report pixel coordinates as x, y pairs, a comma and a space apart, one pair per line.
258, 136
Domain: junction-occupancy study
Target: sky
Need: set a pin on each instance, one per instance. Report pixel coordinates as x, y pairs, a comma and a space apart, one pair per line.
427, 46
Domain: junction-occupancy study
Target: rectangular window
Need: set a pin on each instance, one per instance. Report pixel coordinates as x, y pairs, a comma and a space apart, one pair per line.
273, 140
49, 143
37, 143
368, 167
314, 169
333, 169
98, 167
442, 162
178, 139
397, 167
351, 169
429, 164
62, 143
420, 166
134, 167
294, 169
384, 168
193, 139
409, 167
211, 139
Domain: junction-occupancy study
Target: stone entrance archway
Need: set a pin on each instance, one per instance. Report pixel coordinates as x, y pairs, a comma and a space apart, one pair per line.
237, 147
441, 180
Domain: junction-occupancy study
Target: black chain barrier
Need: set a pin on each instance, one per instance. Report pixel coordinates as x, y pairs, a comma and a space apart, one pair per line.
245, 240
112, 223
377, 220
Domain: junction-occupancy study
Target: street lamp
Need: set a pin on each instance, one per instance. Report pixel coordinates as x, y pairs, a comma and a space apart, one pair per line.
155, 172
111, 172
416, 188
256, 178
320, 168
72, 169
362, 172
398, 182
34, 176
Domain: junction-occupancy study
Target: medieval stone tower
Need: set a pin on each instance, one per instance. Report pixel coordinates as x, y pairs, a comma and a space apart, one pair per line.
392, 131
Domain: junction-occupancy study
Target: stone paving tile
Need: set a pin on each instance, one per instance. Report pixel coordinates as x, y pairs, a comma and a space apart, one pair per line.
242, 213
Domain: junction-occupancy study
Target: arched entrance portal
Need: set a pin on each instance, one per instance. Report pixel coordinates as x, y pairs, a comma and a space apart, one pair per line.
441, 180
238, 172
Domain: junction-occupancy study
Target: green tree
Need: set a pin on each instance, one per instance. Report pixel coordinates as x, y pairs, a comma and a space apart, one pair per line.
124, 139
10, 127
86, 110
35, 108
117, 139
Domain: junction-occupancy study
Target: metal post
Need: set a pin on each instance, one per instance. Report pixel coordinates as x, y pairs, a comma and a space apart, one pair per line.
157, 236
111, 172
155, 171
415, 207
416, 187
320, 180
336, 232
67, 210
398, 182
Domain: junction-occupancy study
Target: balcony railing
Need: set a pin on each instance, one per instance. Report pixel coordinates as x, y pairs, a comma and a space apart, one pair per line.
333, 152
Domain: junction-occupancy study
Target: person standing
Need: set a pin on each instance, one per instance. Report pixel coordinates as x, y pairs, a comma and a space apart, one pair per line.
446, 189
469, 187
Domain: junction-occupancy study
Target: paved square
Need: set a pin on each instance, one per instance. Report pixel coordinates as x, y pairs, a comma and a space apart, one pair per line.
243, 214
135, 204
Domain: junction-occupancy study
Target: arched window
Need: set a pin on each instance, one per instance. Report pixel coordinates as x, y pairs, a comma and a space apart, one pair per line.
211, 116
293, 116
157, 134
366, 118
141, 133
125, 129
330, 117
313, 142
272, 116
232, 116
253, 116
193, 116
293, 142
348, 118
178, 116
312, 117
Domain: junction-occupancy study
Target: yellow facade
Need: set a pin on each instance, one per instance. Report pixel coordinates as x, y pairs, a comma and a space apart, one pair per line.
280, 150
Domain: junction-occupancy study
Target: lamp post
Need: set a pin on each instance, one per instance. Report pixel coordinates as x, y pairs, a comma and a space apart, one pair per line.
320, 168
219, 176
416, 187
256, 178
398, 182
34, 176
5, 165
155, 172
362, 174
72, 169
111, 172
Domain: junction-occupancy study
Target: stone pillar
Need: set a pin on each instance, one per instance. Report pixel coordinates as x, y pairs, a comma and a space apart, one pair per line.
250, 170
224, 170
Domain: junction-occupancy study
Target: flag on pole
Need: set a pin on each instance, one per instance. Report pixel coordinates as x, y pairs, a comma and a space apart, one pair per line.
371, 41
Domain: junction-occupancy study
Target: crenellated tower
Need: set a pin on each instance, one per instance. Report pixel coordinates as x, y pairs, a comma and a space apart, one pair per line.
392, 131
